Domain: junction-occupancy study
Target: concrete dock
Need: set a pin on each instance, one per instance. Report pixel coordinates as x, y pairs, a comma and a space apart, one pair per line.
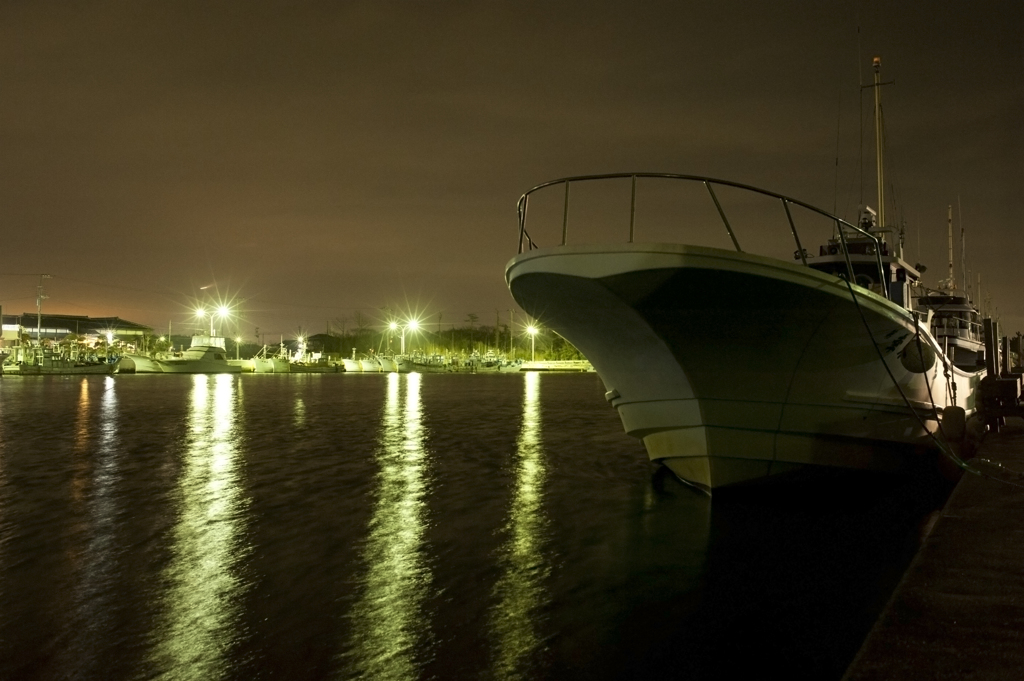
958, 612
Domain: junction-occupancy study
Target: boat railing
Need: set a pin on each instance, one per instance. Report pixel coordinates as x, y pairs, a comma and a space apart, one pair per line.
526, 242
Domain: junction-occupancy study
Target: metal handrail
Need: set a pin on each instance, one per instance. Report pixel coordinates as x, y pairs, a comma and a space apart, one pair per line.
528, 244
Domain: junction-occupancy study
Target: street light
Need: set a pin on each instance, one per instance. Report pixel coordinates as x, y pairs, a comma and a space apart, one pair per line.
411, 325
200, 313
237, 341
222, 312
532, 330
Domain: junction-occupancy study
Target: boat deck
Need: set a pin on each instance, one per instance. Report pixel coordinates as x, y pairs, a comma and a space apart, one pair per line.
958, 612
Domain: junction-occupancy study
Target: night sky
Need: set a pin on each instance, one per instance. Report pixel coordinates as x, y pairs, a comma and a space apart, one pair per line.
314, 160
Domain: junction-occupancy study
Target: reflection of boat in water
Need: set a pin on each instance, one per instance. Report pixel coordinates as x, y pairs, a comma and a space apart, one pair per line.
198, 359
731, 366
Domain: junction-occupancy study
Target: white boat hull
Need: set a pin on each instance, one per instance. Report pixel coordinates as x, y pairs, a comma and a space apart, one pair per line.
139, 364
199, 360
731, 366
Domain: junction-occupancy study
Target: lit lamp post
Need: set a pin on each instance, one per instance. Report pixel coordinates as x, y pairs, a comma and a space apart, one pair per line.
200, 313
221, 312
532, 330
237, 342
410, 325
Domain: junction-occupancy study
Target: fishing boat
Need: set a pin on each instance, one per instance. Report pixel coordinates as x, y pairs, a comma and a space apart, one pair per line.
370, 365
198, 359
138, 364
732, 366
59, 367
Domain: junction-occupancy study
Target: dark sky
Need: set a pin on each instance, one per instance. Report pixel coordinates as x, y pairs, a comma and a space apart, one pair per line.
315, 159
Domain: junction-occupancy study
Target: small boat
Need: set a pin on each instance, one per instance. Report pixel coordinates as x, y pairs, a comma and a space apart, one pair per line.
138, 364
370, 365
265, 363
199, 359
59, 367
315, 368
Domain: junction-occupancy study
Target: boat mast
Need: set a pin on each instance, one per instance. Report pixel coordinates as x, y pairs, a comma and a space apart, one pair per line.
963, 245
949, 229
877, 64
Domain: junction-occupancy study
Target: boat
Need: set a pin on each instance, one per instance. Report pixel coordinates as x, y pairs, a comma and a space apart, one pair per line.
370, 365
955, 319
732, 367
27, 360
572, 365
59, 367
138, 364
198, 359
317, 367
264, 363
352, 365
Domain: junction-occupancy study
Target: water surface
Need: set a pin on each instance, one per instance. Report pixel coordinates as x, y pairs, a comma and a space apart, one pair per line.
332, 526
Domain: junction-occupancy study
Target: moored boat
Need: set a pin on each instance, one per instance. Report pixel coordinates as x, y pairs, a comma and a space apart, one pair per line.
731, 366
198, 359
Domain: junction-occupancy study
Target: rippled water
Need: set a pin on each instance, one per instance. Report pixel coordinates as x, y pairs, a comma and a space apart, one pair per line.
322, 526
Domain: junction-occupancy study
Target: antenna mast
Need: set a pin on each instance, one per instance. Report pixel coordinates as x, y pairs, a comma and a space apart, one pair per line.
963, 243
877, 64
949, 228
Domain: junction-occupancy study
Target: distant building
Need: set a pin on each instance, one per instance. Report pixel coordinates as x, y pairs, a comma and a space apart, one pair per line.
57, 327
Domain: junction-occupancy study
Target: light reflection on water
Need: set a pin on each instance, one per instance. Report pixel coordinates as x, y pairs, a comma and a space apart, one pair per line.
520, 589
201, 605
390, 629
402, 527
97, 565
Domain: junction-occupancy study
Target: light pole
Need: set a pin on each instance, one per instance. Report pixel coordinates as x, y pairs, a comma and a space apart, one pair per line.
237, 341
39, 308
532, 330
200, 313
222, 312
410, 325
511, 333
